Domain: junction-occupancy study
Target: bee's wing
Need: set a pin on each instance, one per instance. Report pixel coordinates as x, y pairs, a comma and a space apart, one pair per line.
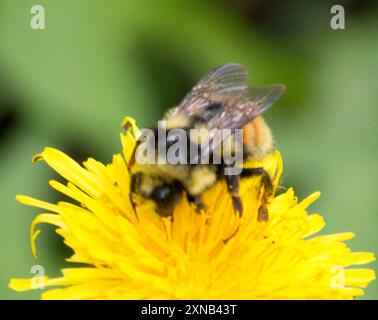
237, 103
228, 80
236, 113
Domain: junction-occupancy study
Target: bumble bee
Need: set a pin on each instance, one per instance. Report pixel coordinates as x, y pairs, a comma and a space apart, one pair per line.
221, 100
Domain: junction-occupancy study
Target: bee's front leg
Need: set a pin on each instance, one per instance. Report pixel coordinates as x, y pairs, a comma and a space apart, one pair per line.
196, 200
266, 182
233, 189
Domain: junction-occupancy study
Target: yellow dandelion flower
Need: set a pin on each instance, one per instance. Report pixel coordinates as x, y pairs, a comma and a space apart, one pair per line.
214, 255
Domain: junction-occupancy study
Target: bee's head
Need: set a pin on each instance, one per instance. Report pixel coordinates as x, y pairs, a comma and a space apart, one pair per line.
165, 194
166, 197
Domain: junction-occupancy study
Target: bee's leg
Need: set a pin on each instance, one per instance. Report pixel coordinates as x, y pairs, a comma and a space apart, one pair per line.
233, 189
196, 200
265, 178
132, 201
266, 182
135, 180
250, 172
133, 204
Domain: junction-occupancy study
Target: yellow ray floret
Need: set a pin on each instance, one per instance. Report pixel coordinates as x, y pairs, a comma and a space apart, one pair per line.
214, 255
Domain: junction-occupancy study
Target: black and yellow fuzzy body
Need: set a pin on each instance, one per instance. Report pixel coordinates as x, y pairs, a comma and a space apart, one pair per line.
221, 100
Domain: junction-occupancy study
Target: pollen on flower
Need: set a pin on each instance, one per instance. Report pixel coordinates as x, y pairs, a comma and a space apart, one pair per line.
133, 253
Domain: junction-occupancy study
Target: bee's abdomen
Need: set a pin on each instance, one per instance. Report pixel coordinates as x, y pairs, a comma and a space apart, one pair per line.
257, 138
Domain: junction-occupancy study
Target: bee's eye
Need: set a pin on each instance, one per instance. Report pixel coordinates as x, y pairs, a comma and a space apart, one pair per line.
161, 193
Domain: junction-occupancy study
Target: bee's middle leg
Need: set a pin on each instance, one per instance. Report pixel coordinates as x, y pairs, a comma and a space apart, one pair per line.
266, 182
233, 189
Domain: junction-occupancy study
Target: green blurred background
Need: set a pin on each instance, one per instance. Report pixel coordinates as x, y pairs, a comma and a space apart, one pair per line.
69, 86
